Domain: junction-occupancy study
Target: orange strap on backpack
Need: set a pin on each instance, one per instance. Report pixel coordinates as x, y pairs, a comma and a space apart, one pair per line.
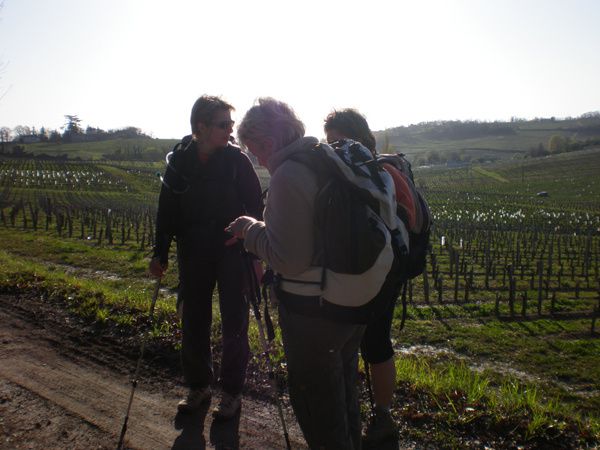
404, 196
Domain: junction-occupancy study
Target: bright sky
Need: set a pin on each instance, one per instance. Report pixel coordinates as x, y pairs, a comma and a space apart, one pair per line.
142, 63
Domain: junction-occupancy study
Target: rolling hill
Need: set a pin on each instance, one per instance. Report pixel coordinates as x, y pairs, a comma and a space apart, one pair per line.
424, 143
434, 142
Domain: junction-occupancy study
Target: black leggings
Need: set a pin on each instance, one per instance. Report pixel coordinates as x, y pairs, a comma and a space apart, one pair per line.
376, 346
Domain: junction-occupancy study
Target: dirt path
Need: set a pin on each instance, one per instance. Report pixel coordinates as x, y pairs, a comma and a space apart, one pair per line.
59, 389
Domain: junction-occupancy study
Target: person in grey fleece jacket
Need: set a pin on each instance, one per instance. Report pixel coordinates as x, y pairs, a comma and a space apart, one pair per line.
321, 352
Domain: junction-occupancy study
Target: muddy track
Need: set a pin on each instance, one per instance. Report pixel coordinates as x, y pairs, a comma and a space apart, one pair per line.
63, 386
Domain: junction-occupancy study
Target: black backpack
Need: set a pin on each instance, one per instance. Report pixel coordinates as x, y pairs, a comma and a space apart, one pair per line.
350, 234
412, 208
414, 211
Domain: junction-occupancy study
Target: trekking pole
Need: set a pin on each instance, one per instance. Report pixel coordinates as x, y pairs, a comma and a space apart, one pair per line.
368, 381
404, 308
254, 296
134, 380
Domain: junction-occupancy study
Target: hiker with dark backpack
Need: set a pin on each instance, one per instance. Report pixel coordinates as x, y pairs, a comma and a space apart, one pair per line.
324, 295
376, 346
208, 182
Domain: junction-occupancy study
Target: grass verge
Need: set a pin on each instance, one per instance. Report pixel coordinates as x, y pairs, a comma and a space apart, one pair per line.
452, 401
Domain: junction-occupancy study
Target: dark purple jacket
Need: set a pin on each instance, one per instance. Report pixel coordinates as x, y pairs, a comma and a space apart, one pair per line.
198, 200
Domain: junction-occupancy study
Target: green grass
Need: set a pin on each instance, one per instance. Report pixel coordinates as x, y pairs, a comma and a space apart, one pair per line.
562, 355
124, 261
456, 397
439, 382
95, 150
89, 298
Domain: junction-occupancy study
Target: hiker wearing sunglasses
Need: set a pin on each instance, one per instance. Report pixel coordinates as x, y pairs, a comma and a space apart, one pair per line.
208, 182
321, 348
376, 346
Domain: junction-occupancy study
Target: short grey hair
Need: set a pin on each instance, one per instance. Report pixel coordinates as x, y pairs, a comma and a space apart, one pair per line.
271, 118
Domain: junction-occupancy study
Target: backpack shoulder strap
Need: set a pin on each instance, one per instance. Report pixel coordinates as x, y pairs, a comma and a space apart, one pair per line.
176, 178
314, 160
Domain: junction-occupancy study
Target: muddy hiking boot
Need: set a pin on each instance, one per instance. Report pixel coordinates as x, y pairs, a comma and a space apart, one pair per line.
381, 428
194, 400
228, 406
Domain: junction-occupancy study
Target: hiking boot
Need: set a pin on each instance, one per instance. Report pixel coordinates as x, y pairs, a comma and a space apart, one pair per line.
381, 428
228, 406
194, 400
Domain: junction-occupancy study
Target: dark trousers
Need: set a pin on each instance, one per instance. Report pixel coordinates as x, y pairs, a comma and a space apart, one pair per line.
322, 362
199, 271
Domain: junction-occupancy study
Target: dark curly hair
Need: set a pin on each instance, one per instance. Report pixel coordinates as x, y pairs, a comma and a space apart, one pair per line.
353, 125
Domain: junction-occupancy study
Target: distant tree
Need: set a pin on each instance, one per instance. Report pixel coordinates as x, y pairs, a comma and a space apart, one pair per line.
95, 134
127, 133
537, 151
556, 144
541, 149
420, 161
72, 127
72, 124
43, 134
21, 130
454, 156
569, 144
5, 135
55, 137
433, 157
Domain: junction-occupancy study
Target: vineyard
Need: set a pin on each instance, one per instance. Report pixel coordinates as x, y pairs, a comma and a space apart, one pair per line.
511, 293
524, 237
494, 236
80, 200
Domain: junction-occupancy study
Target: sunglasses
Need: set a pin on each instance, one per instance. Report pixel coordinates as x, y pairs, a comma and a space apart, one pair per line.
224, 125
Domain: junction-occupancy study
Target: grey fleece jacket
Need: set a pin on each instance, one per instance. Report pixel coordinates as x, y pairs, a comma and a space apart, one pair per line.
285, 240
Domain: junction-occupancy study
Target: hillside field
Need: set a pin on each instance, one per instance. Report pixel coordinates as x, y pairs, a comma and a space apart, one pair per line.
485, 141
426, 143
